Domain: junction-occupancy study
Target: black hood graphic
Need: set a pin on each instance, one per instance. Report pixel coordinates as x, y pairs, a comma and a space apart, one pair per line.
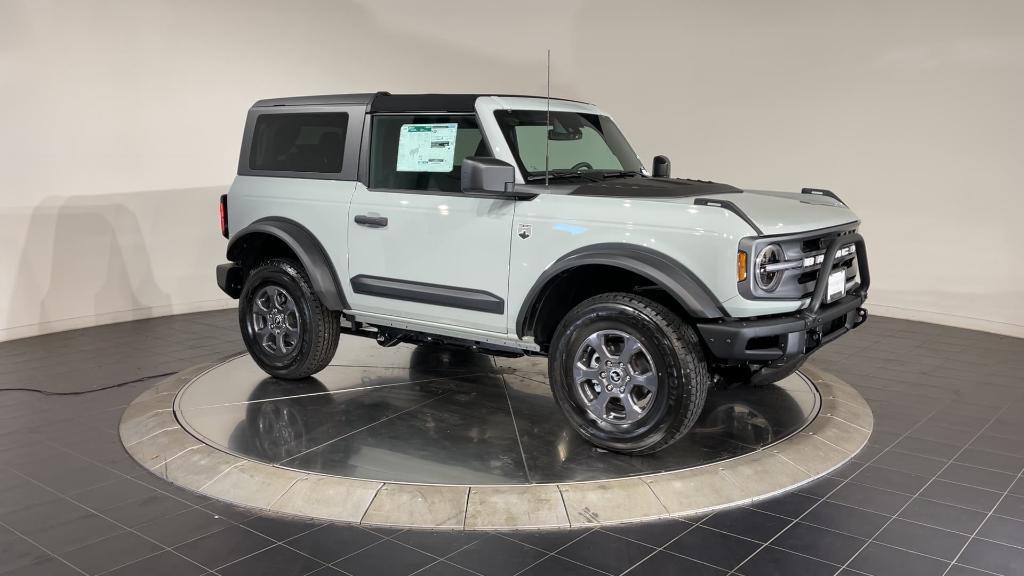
653, 188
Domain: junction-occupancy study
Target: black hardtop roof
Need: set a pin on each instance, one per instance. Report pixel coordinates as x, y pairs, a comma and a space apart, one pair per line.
387, 102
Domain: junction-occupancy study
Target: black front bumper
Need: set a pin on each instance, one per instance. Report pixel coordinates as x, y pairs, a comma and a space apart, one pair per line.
229, 278
782, 340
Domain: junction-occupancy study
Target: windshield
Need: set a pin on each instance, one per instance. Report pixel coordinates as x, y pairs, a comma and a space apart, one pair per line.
576, 144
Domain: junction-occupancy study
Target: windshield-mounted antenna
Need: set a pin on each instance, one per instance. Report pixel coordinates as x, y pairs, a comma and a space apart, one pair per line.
547, 132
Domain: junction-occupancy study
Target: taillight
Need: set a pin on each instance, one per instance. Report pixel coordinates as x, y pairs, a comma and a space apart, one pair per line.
224, 215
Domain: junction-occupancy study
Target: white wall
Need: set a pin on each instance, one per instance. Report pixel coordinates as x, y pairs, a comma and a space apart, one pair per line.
120, 125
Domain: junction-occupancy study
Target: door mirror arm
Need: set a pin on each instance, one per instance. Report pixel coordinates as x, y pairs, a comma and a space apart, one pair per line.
483, 176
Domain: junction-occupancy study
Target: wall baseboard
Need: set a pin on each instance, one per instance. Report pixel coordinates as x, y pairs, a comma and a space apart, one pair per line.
945, 319
113, 318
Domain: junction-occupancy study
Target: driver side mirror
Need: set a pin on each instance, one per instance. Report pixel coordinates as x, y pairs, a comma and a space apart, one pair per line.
662, 167
481, 174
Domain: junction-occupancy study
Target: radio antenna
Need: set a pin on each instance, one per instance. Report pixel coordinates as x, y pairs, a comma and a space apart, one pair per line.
547, 130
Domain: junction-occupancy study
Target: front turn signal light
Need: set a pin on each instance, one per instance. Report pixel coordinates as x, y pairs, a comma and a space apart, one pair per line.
741, 266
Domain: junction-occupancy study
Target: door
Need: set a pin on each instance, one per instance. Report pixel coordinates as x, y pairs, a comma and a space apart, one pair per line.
418, 248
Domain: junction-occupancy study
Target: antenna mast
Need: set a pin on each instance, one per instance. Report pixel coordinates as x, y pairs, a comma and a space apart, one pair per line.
547, 135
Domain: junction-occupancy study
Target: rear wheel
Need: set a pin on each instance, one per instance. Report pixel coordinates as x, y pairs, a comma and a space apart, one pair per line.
628, 373
286, 328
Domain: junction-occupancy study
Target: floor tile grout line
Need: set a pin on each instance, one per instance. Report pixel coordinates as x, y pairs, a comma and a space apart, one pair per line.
706, 527
60, 496
826, 528
960, 506
343, 436
921, 490
805, 555
515, 427
841, 483
124, 476
983, 522
399, 542
275, 543
123, 526
41, 547
996, 452
664, 548
367, 547
968, 446
602, 530
921, 476
574, 561
547, 553
449, 555
71, 495
191, 507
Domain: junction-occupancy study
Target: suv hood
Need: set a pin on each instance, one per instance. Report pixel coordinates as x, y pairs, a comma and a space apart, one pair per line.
789, 212
772, 212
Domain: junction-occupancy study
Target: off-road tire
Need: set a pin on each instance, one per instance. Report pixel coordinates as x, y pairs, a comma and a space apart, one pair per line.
675, 351
319, 328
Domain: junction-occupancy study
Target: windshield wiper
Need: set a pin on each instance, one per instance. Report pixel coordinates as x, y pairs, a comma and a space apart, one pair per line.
620, 173
585, 174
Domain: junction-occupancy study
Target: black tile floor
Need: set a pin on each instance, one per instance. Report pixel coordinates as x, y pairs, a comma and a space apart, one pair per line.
938, 490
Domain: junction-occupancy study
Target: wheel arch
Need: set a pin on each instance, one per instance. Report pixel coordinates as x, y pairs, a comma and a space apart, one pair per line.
684, 290
277, 236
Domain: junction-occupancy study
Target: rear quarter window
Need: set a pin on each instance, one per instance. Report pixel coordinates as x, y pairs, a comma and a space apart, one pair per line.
297, 142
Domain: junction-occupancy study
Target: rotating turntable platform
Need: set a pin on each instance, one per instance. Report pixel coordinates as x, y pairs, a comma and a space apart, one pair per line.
434, 437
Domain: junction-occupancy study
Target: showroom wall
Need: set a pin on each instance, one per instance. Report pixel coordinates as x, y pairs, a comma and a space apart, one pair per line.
120, 125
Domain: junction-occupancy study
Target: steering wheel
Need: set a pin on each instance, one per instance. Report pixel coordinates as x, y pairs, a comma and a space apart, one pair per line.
581, 165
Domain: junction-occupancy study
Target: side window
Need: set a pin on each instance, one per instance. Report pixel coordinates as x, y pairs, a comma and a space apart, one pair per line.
299, 142
422, 152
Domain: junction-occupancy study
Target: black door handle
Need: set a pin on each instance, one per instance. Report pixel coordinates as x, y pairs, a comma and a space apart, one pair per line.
372, 221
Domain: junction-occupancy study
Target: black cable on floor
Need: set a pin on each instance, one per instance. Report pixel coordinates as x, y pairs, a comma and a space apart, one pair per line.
80, 392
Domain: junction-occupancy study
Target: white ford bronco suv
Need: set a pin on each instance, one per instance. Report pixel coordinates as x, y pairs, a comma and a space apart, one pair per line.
520, 225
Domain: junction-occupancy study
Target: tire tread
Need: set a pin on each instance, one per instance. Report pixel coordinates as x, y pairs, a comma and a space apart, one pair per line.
683, 342
325, 326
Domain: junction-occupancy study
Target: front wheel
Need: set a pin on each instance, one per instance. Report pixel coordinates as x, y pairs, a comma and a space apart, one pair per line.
286, 328
628, 373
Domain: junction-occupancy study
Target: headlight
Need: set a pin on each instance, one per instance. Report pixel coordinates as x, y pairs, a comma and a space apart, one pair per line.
768, 280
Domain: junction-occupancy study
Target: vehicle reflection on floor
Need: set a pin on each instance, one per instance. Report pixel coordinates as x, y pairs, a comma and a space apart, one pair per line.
434, 415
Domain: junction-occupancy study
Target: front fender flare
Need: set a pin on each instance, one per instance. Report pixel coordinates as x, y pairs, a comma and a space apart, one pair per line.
682, 284
307, 249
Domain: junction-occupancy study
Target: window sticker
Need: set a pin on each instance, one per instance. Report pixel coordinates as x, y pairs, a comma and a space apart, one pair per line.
426, 147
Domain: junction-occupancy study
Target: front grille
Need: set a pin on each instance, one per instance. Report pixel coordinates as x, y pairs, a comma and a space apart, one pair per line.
797, 283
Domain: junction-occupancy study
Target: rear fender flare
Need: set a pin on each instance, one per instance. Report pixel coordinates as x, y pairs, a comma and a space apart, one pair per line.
307, 249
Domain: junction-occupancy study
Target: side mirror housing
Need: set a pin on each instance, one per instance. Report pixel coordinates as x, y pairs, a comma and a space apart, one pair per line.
662, 167
481, 174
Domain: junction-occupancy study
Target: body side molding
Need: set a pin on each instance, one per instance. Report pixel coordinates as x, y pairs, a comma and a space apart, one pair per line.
657, 267
307, 248
426, 293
